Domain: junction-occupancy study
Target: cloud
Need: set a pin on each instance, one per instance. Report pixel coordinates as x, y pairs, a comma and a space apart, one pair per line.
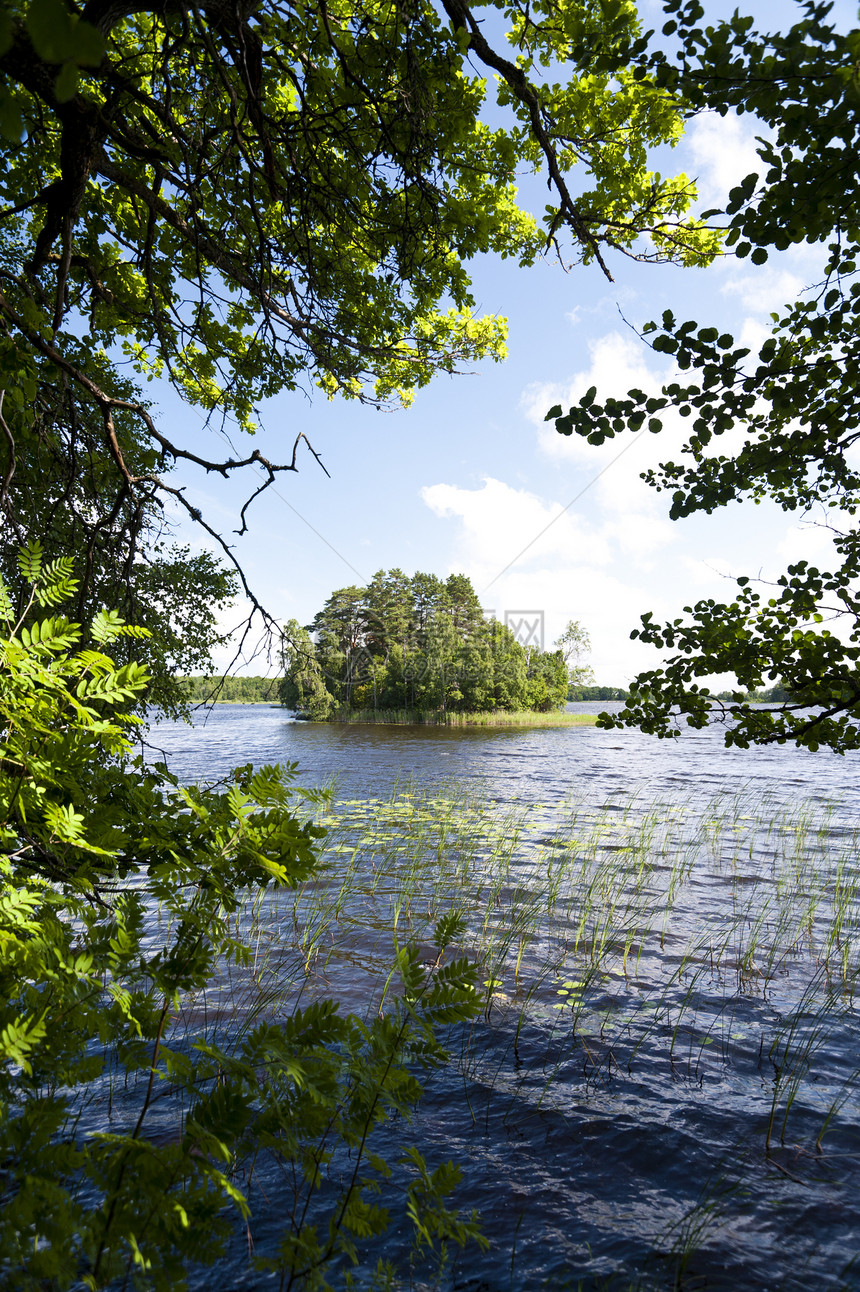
611, 473
617, 362
752, 336
577, 569
765, 289
605, 602
723, 153
498, 522
808, 542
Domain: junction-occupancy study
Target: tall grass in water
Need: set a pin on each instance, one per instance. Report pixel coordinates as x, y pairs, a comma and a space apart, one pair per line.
666, 945
440, 718
653, 896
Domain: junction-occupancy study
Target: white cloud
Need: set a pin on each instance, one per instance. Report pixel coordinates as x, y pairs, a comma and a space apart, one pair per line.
808, 542
577, 569
752, 337
606, 603
498, 522
613, 470
712, 571
617, 363
763, 289
723, 152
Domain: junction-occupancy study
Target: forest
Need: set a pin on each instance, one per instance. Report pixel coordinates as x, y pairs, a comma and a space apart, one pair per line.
212, 689
419, 643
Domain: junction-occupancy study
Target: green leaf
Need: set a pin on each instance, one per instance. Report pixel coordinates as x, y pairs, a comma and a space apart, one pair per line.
66, 84
30, 561
11, 120
59, 36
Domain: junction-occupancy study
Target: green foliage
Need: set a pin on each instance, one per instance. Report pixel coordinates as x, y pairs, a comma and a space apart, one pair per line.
796, 402
207, 263
62, 40
596, 693
421, 644
303, 688
229, 690
435, 718
127, 1127
61, 487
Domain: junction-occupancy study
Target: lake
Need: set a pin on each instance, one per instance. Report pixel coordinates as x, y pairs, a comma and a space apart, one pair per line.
663, 1089
512, 762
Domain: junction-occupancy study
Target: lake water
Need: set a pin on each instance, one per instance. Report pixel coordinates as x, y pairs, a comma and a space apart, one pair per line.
688, 1113
533, 765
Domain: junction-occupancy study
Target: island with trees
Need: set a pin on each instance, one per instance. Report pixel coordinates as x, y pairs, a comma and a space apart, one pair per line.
416, 649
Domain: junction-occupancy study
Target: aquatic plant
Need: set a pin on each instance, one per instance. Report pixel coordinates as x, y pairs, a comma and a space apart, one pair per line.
654, 947
447, 718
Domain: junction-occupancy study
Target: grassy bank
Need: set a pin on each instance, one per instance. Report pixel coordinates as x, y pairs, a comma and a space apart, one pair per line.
498, 718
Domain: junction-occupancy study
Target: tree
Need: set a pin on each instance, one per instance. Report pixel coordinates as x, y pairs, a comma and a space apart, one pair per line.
419, 643
247, 200
797, 402
575, 644
58, 487
303, 688
230, 690
547, 680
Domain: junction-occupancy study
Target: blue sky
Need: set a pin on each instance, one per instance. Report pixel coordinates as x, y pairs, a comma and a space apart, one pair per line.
468, 476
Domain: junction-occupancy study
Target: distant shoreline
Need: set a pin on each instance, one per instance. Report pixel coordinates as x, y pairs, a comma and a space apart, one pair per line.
272, 704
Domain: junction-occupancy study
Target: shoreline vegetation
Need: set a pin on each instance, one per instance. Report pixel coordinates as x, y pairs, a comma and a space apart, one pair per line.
498, 718
219, 689
264, 690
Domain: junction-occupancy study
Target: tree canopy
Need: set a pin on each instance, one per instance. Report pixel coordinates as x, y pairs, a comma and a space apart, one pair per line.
790, 413
123, 553
247, 199
575, 646
419, 643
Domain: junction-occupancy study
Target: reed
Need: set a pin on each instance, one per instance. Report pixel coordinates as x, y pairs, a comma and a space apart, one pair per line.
440, 718
691, 939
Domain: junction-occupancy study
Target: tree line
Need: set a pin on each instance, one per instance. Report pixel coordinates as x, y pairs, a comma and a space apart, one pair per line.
581, 693
420, 643
212, 689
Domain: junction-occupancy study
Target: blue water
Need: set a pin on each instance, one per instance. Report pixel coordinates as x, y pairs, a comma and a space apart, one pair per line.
629, 1151
512, 763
